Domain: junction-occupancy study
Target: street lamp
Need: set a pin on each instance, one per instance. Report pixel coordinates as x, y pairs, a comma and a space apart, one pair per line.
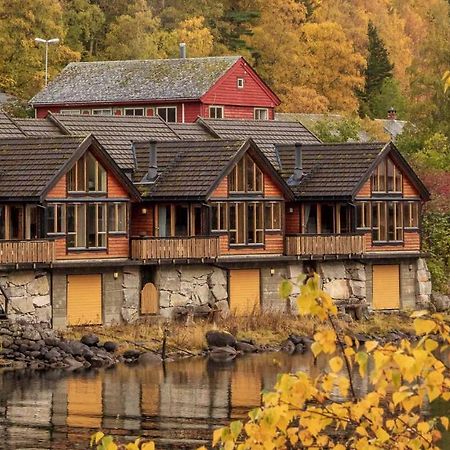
46, 42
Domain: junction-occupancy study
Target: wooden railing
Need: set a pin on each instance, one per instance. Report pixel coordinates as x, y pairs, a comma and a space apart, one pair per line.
318, 245
37, 251
175, 248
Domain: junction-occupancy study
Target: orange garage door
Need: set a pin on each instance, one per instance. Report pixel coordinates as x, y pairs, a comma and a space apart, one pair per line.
386, 286
84, 299
244, 291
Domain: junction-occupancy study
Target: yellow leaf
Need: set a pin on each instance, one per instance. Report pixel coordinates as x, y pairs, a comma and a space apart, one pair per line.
131, 446
421, 313
348, 341
445, 422
217, 436
336, 364
431, 345
285, 289
398, 397
316, 348
382, 435
362, 358
370, 345
422, 326
148, 446
96, 438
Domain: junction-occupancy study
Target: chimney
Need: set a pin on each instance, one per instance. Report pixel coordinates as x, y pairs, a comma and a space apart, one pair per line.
392, 114
152, 172
182, 50
298, 168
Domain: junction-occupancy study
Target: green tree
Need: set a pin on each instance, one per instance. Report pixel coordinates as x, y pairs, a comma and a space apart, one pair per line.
378, 69
339, 130
390, 95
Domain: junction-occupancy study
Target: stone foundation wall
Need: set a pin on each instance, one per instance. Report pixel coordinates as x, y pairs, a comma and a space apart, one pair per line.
190, 286
131, 283
28, 295
424, 287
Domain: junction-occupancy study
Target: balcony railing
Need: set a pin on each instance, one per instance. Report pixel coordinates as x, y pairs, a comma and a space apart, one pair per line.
320, 245
175, 248
37, 251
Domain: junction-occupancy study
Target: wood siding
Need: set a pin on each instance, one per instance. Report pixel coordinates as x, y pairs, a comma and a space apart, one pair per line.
59, 190
270, 188
408, 189
221, 190
274, 244
118, 247
411, 243
115, 188
293, 219
365, 191
142, 224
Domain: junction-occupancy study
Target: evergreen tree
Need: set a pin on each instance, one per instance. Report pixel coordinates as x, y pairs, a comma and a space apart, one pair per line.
378, 69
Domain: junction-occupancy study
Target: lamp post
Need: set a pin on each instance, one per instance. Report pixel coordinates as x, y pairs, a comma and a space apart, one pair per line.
46, 42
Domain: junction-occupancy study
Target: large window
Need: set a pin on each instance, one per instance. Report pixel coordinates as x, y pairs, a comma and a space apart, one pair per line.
364, 214
387, 222
117, 217
387, 178
219, 216
134, 111
55, 218
167, 113
102, 112
87, 175
411, 214
86, 225
246, 177
272, 216
216, 112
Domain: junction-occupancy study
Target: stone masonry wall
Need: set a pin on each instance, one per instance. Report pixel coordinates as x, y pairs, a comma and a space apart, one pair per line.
423, 284
192, 286
29, 296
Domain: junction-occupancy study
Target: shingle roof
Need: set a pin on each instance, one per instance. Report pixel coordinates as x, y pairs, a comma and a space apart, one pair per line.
137, 80
332, 170
28, 164
266, 133
8, 128
38, 127
191, 131
116, 133
186, 169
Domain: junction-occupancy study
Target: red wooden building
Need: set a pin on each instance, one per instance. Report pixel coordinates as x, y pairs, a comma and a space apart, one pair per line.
178, 90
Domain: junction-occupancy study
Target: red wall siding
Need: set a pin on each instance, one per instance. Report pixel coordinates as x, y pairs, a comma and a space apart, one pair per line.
141, 224
115, 189
118, 247
411, 243
59, 189
292, 219
192, 111
226, 92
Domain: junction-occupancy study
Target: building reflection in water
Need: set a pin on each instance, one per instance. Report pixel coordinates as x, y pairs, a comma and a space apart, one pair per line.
179, 405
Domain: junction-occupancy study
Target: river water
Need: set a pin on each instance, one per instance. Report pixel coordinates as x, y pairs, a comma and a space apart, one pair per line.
178, 404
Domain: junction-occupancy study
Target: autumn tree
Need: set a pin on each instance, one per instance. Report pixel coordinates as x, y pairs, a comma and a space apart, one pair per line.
196, 36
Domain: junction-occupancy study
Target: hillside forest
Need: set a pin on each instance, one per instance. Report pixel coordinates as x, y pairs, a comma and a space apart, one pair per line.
356, 58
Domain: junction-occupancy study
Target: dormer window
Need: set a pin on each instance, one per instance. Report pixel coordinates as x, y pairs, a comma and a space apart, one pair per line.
87, 175
240, 83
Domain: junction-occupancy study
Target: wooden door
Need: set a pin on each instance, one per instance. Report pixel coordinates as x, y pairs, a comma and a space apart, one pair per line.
386, 286
84, 299
149, 299
245, 292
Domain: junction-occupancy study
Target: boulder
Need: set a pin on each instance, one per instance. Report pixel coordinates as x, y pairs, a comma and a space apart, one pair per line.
332, 270
218, 278
16, 291
423, 275
358, 288
300, 348
129, 314
131, 279
219, 292
39, 286
90, 340
440, 301
223, 307
131, 297
203, 293
41, 300
72, 364
178, 299
179, 312
357, 271
202, 311
245, 347
21, 278
148, 358
44, 314
164, 299
131, 354
21, 305
425, 288
110, 346
76, 348
31, 334
222, 354
338, 289
288, 346
216, 338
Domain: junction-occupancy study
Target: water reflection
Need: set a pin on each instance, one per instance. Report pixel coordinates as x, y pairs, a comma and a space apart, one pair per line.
179, 405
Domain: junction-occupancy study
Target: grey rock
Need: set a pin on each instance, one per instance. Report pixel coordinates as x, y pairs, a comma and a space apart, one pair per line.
245, 347
202, 311
131, 354
332, 270
72, 363
6, 341
288, 346
425, 288
131, 279
44, 314
16, 291
5, 332
440, 301
76, 348
223, 307
90, 340
39, 286
219, 292
51, 341
179, 312
148, 358
300, 348
218, 278
110, 346
20, 278
21, 305
129, 314
222, 354
41, 300
220, 339
31, 333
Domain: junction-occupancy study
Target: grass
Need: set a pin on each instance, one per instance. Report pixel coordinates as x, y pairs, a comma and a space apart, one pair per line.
264, 329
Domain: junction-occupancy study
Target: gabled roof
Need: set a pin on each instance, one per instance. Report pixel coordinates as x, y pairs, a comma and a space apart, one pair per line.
37, 127
192, 169
116, 133
338, 171
266, 133
8, 128
109, 82
30, 166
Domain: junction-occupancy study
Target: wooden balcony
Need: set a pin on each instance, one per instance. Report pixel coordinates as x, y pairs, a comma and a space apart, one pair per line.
20, 252
175, 248
321, 245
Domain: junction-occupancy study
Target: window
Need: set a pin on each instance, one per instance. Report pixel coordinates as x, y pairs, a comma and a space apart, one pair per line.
68, 112
86, 112
363, 215
102, 112
117, 217
387, 222
387, 178
411, 214
86, 225
2, 222
261, 114
238, 223
310, 218
240, 83
255, 223
216, 112
55, 218
219, 216
87, 175
167, 113
134, 111
328, 225
245, 177
181, 215
272, 216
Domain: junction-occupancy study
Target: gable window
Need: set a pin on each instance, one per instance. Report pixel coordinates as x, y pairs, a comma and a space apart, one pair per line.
216, 112
219, 216
272, 216
87, 175
117, 217
134, 111
167, 113
387, 222
240, 83
387, 178
261, 114
102, 112
246, 176
55, 218
86, 225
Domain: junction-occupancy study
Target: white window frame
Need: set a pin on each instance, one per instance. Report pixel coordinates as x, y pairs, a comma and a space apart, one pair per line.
86, 112
68, 112
240, 83
257, 111
216, 108
134, 112
167, 107
102, 112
